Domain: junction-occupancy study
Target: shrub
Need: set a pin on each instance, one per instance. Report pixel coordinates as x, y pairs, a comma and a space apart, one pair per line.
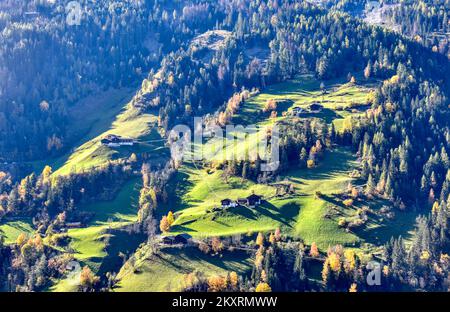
348, 202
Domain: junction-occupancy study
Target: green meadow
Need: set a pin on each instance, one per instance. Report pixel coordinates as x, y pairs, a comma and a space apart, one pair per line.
11, 229
129, 124
166, 270
339, 98
100, 242
340, 101
301, 215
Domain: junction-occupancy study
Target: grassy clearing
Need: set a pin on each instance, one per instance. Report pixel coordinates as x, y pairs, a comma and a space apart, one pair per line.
305, 90
165, 271
198, 192
340, 101
10, 230
332, 175
95, 114
299, 215
99, 244
89, 118
89, 243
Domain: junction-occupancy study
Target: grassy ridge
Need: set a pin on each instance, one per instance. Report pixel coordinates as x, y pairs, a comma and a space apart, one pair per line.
94, 117
130, 124
87, 119
99, 243
301, 215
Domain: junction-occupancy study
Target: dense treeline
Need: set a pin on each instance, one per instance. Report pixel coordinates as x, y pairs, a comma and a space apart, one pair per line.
28, 265
426, 21
280, 265
302, 143
301, 37
45, 196
403, 140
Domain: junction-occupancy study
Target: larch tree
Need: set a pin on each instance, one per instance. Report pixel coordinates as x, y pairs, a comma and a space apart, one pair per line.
164, 224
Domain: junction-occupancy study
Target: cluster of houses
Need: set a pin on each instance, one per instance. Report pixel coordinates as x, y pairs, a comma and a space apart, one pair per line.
251, 201
313, 108
112, 140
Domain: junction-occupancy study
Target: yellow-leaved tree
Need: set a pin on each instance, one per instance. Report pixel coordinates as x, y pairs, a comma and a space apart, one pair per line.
263, 287
170, 218
260, 239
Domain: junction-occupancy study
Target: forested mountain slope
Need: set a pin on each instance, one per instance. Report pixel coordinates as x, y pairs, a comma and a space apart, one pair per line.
353, 172
47, 65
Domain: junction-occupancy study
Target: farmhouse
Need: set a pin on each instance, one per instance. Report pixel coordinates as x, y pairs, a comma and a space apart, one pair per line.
315, 108
253, 200
297, 111
73, 225
227, 203
178, 239
112, 140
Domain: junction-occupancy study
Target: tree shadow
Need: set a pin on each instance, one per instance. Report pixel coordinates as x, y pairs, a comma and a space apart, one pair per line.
326, 114
244, 212
282, 217
120, 242
180, 228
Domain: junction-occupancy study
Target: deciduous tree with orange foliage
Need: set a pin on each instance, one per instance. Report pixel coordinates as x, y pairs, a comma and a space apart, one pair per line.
216, 244
87, 279
217, 283
314, 251
164, 225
